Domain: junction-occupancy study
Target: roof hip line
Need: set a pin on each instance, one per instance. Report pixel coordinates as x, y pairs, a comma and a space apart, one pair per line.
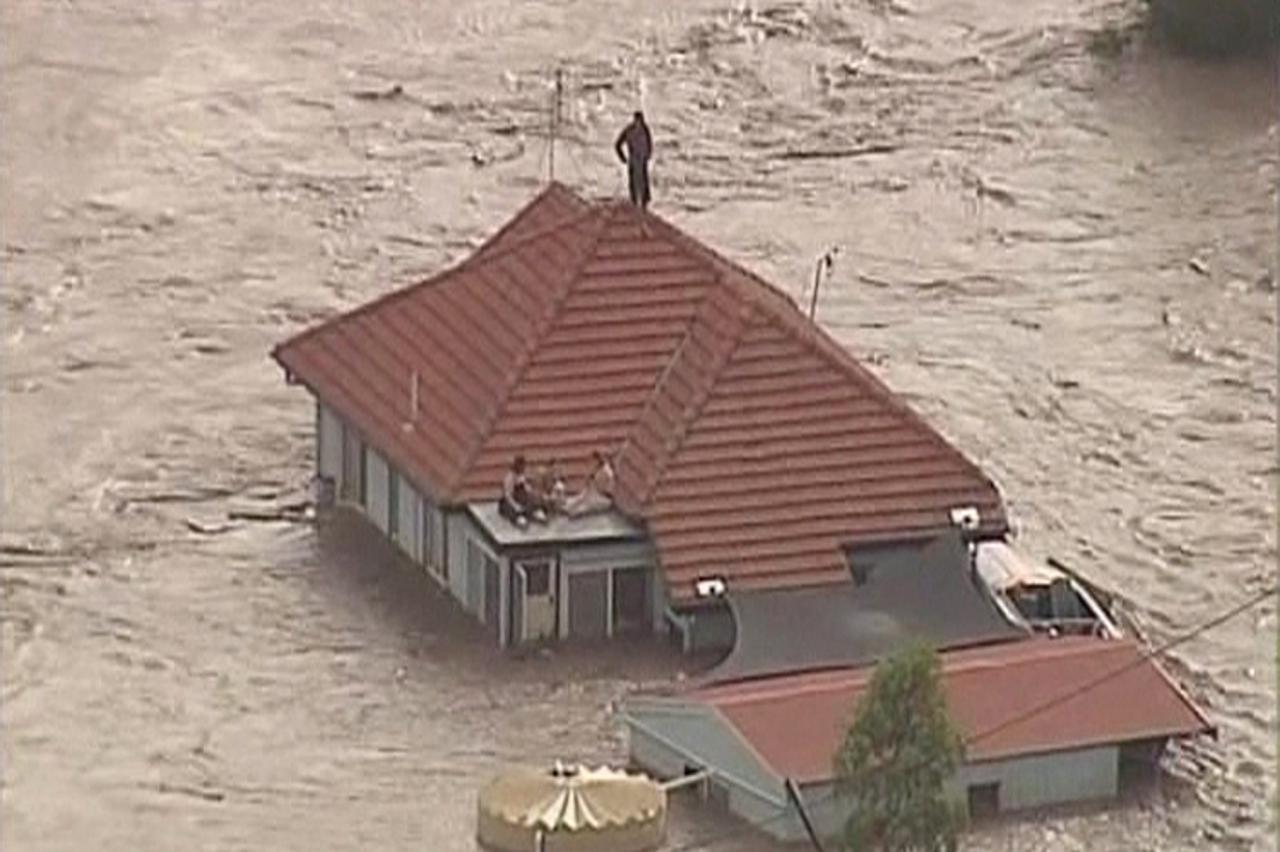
766, 296
479, 257
701, 393
573, 278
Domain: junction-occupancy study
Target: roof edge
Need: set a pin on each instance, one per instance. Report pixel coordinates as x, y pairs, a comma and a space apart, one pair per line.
482, 254
775, 302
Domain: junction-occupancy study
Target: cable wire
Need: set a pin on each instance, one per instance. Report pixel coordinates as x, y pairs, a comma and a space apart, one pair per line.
1158, 650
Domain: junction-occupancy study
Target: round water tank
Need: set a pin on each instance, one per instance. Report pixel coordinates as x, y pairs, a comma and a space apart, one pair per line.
572, 809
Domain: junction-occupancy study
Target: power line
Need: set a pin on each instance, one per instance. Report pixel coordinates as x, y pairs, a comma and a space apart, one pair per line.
1238, 609
1156, 651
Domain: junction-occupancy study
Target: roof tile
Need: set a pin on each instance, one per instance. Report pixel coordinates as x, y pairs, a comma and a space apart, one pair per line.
1008, 699
754, 445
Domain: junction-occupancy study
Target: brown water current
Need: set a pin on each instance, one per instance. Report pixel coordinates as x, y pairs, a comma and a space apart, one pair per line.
1062, 256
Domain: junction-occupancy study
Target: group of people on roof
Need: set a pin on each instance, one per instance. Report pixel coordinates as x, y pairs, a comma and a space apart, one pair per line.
545, 494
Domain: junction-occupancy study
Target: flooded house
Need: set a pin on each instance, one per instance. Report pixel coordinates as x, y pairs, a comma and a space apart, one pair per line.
1052, 713
752, 452
771, 498
1047, 722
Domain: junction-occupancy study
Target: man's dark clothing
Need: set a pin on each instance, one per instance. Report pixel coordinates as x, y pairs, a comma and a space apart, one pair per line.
639, 146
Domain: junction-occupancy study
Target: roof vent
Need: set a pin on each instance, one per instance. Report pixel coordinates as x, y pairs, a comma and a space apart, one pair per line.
966, 517
710, 587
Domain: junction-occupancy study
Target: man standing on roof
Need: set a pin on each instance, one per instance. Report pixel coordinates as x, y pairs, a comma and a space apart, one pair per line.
639, 147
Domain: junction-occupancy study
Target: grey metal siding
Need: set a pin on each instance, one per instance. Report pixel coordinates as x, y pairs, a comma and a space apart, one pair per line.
1025, 782
459, 529
431, 536
1048, 779
409, 529
468, 552
329, 444
659, 590
376, 481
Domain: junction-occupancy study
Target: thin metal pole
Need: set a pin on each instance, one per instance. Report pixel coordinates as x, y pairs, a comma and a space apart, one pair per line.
794, 792
817, 281
555, 122
825, 262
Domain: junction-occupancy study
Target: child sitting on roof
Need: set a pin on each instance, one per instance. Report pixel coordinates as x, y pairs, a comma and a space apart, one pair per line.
598, 495
553, 488
516, 502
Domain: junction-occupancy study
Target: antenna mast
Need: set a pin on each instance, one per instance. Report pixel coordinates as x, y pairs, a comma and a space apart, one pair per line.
555, 123
825, 262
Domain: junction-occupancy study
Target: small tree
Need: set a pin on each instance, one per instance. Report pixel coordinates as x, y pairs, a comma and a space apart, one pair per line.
895, 758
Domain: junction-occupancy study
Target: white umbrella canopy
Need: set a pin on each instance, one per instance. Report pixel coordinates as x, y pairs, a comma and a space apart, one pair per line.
572, 809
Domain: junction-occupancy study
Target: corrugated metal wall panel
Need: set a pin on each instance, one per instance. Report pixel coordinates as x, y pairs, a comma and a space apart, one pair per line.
1049, 779
433, 537
458, 528
329, 441
410, 530
1027, 782
468, 552
377, 496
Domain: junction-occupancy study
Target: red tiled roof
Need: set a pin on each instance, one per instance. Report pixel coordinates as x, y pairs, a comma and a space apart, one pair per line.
754, 446
1028, 697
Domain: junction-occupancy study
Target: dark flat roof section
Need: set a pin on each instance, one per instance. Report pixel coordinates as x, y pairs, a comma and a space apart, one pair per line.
926, 594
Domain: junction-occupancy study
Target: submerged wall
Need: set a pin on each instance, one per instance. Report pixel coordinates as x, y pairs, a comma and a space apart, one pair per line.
1219, 27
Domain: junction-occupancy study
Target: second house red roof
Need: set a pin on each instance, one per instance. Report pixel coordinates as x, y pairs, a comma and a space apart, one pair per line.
1018, 698
754, 446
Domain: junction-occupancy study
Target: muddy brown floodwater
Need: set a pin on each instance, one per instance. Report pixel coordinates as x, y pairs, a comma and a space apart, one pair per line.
1062, 256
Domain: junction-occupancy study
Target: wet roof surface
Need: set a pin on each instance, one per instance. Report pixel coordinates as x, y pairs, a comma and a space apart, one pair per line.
922, 594
752, 444
1031, 696
598, 526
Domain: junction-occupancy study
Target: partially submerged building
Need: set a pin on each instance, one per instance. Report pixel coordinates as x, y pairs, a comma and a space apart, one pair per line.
773, 498
752, 452
1048, 722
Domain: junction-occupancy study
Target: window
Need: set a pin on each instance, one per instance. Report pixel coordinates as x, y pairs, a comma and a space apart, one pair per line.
630, 600
393, 504
538, 575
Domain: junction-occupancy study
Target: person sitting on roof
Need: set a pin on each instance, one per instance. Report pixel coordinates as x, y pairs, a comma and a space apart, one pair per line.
553, 488
598, 495
516, 503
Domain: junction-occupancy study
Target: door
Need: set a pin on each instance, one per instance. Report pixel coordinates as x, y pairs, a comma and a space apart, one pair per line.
588, 605
631, 601
538, 576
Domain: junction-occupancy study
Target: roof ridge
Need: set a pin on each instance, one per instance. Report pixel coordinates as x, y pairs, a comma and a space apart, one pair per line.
791, 684
604, 217
552, 188
477, 257
773, 302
